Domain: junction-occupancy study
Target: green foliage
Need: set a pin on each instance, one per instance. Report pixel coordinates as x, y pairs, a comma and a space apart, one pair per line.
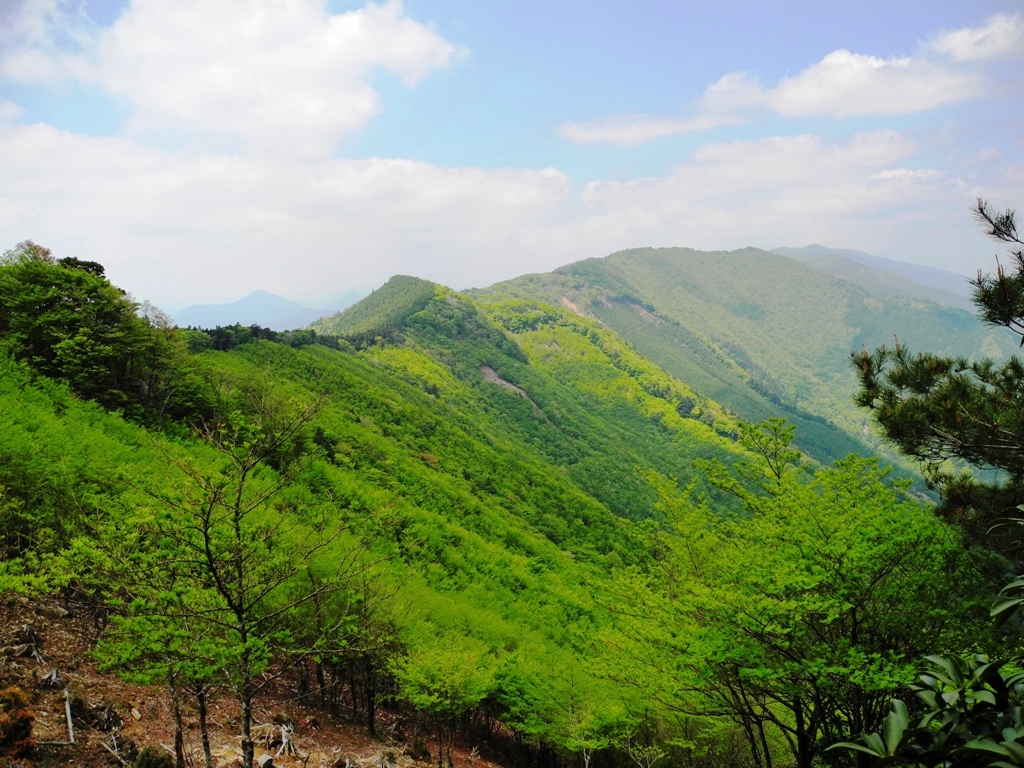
806, 615
60, 462
68, 322
151, 757
1000, 297
459, 551
218, 568
971, 717
570, 708
383, 311
447, 676
937, 407
226, 338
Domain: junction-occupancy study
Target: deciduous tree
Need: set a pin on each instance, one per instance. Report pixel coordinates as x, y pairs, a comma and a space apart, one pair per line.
801, 618
218, 563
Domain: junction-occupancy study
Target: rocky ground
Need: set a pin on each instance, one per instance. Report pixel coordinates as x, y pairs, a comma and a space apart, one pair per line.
45, 650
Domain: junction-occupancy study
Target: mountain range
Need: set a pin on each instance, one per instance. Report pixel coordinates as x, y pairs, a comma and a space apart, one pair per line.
497, 473
759, 332
261, 308
885, 275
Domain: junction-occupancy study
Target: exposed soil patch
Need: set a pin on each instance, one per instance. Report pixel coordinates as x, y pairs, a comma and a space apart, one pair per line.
492, 376
110, 715
573, 307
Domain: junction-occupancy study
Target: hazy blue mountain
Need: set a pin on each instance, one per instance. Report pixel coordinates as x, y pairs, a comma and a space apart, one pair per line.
952, 289
890, 283
340, 302
262, 308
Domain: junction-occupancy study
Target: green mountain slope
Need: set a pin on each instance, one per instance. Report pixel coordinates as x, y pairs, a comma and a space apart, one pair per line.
572, 391
476, 541
467, 506
383, 310
761, 334
485, 465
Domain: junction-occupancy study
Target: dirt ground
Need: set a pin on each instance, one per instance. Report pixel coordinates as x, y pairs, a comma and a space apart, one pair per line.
112, 719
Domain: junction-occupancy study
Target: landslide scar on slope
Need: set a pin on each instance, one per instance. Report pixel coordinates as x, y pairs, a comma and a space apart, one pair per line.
492, 376
573, 307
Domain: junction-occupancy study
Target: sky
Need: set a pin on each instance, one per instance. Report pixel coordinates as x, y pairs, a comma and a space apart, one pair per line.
204, 149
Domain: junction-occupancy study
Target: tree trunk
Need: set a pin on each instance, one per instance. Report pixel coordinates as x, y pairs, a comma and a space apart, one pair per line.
353, 689
320, 686
179, 731
247, 745
370, 689
245, 699
204, 732
804, 745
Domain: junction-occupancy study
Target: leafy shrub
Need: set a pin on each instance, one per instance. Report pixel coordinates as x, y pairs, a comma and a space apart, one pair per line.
151, 757
15, 723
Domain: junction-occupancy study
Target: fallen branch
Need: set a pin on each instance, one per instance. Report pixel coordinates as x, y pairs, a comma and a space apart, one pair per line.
114, 753
67, 711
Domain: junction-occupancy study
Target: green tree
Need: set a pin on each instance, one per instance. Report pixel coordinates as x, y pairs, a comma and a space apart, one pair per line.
972, 411
560, 700
938, 409
68, 322
444, 677
216, 567
799, 619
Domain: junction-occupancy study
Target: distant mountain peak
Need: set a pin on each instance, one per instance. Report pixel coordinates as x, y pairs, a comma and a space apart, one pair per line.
916, 280
260, 308
388, 307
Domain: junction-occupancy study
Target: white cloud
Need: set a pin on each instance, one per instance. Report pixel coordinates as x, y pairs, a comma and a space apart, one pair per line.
282, 75
9, 111
844, 84
789, 190
907, 174
635, 129
180, 228
287, 78
38, 38
841, 85
735, 91
1000, 35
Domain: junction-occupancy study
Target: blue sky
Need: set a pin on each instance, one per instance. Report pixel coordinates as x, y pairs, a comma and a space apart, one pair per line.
202, 149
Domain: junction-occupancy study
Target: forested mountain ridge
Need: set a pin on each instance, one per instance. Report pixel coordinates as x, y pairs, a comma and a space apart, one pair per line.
760, 333
487, 514
572, 389
469, 510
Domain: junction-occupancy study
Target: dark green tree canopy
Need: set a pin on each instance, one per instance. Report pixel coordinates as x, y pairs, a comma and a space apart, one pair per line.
68, 322
938, 408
